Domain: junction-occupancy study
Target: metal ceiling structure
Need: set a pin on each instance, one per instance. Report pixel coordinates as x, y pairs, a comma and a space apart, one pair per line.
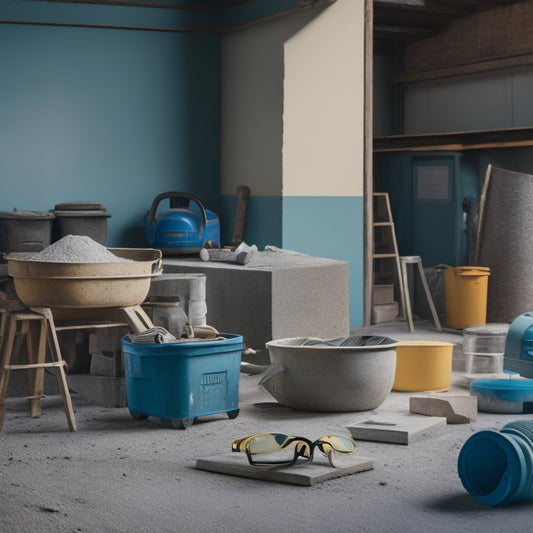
409, 20
398, 20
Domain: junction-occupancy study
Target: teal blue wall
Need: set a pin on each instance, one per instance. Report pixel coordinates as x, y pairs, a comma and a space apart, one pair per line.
110, 115
320, 226
263, 221
329, 227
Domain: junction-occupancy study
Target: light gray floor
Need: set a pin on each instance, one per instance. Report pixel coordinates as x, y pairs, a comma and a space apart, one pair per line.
116, 474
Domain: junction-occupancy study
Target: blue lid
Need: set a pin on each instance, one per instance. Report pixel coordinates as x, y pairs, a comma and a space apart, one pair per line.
501, 386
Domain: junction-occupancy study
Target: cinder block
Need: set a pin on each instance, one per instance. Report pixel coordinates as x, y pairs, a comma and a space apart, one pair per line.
189, 289
99, 390
383, 294
384, 313
107, 364
74, 345
457, 409
106, 339
276, 295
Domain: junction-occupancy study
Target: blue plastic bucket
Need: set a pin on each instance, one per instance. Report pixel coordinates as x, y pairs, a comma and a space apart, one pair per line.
183, 380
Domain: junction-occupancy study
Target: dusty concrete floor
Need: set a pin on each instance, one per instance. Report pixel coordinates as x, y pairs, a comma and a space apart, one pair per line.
116, 474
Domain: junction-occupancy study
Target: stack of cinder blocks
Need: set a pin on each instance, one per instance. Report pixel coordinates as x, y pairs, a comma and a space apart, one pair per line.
105, 385
106, 352
384, 306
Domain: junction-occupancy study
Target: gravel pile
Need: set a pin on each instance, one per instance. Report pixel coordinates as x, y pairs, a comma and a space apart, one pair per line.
77, 249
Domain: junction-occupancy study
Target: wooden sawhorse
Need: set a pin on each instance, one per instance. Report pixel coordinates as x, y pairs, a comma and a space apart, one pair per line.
20, 326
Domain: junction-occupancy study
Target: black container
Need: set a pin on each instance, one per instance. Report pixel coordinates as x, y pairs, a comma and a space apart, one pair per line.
80, 218
24, 231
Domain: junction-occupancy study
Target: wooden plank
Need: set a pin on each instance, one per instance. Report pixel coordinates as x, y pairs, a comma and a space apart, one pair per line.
487, 36
36, 365
507, 137
66, 327
241, 210
517, 61
368, 176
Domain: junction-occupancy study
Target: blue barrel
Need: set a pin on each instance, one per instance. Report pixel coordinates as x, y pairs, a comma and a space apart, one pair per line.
497, 467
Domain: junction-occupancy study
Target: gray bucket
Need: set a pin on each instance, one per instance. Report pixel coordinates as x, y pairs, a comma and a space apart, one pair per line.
80, 218
24, 231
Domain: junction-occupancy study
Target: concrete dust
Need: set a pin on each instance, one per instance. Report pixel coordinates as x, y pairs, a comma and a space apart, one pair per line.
117, 474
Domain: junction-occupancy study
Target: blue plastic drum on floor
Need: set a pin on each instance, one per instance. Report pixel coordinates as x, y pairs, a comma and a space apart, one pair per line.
503, 395
497, 467
185, 380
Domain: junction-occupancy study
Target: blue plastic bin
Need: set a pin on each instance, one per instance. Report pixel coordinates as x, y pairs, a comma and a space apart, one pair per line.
183, 381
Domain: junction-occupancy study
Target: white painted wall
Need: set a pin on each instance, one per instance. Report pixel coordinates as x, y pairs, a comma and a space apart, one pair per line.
252, 104
293, 103
323, 117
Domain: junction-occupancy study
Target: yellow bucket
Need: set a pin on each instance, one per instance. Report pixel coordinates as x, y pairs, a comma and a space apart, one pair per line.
423, 366
466, 296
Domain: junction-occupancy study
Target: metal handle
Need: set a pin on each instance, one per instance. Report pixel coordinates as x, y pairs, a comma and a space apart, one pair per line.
175, 194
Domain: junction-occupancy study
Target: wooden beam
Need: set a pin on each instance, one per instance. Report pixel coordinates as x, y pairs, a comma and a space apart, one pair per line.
400, 32
456, 141
488, 36
469, 68
368, 181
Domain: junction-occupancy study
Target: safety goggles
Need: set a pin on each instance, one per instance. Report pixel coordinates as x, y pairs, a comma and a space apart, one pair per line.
279, 449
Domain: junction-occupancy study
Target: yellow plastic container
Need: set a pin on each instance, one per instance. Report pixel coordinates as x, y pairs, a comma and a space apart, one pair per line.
466, 296
423, 366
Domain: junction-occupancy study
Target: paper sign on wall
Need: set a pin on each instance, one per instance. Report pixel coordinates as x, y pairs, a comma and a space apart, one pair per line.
432, 182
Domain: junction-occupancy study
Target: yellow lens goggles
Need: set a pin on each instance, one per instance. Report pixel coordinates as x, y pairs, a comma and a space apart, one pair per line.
280, 449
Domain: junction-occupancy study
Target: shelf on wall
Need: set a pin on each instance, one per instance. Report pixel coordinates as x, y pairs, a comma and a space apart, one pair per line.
463, 140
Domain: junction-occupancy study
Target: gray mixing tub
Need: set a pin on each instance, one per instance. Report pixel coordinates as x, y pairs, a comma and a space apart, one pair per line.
314, 375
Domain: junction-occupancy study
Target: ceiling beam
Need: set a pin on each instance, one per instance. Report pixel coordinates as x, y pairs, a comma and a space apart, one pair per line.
401, 33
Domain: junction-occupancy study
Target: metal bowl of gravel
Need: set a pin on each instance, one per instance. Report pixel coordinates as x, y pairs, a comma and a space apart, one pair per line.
78, 273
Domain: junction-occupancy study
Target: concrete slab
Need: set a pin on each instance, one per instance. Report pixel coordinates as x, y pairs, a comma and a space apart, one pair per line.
316, 472
400, 428
277, 294
457, 409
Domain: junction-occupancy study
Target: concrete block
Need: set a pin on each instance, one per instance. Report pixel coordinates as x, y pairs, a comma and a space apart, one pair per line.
106, 339
459, 409
99, 390
236, 464
399, 428
74, 345
384, 313
383, 294
189, 289
276, 295
107, 365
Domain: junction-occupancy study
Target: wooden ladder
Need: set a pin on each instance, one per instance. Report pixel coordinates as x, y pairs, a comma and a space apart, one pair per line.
385, 252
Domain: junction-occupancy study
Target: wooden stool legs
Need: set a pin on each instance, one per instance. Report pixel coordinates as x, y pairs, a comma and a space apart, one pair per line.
37, 341
415, 259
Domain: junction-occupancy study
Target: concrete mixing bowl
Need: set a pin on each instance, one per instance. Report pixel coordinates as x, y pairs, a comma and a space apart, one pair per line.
330, 378
85, 285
